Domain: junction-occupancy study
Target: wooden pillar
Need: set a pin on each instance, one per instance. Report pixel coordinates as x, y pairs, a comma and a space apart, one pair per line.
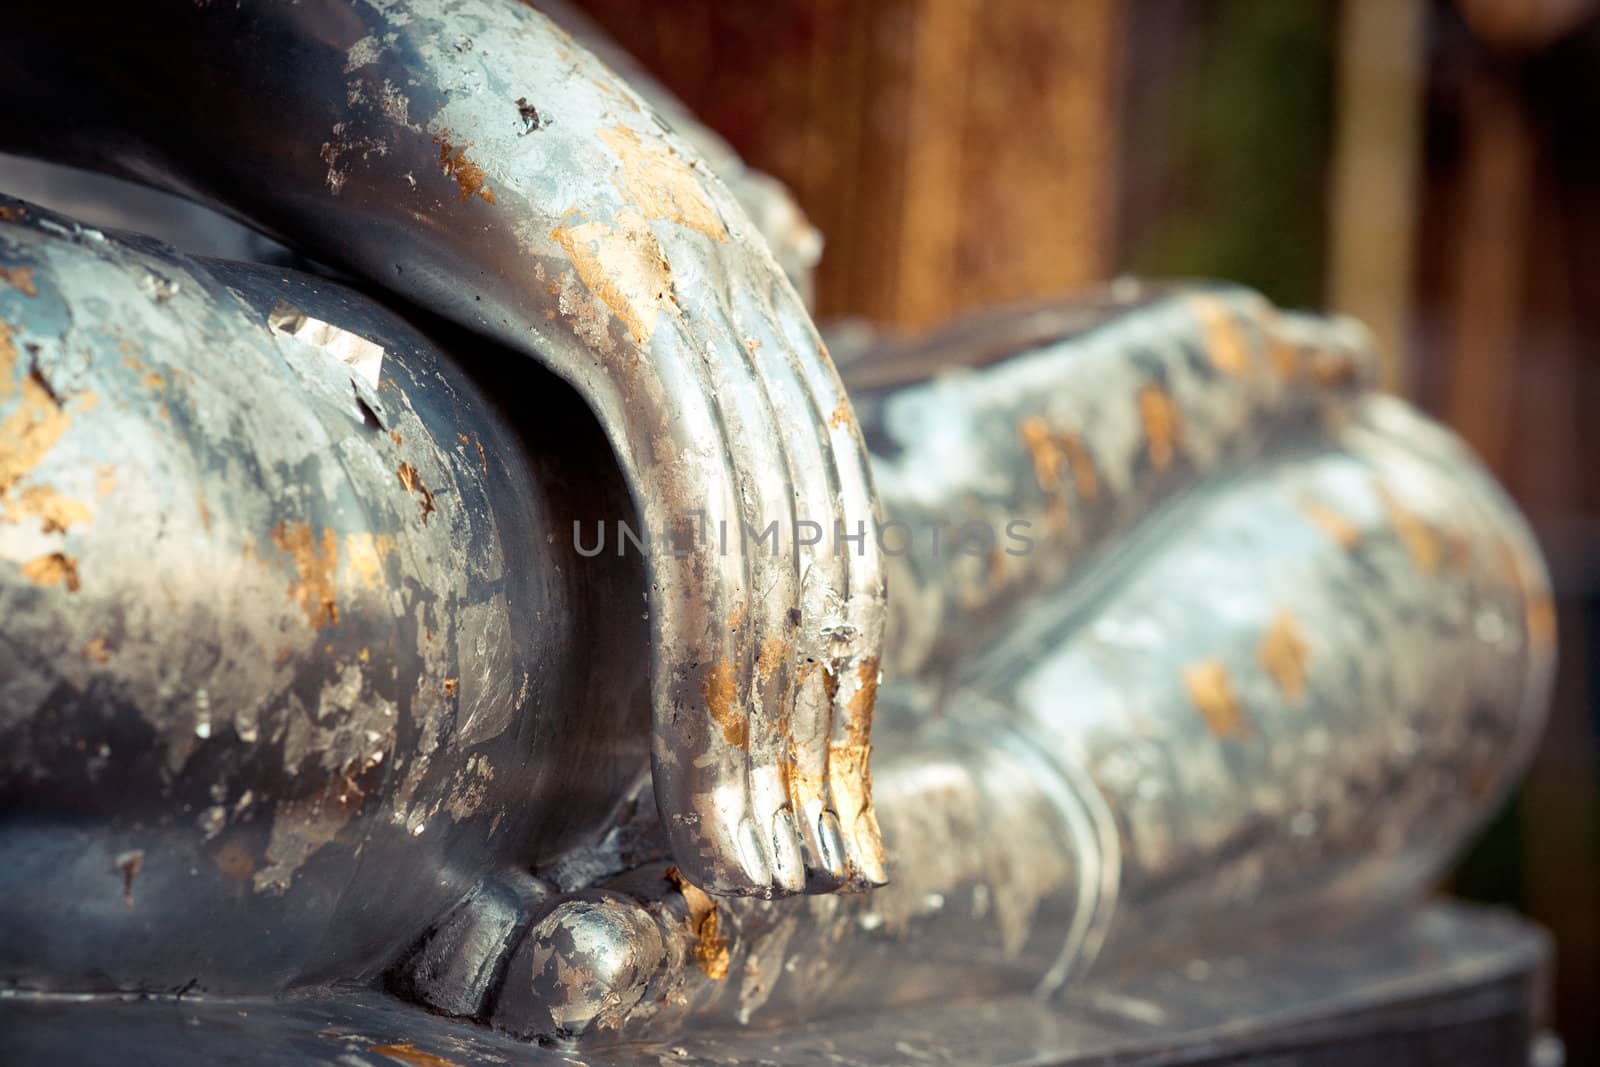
1377, 153
955, 153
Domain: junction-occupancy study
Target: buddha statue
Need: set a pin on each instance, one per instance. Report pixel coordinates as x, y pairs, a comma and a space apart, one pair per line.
510, 609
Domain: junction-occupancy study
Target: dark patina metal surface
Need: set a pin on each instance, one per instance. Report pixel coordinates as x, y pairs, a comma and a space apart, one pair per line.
1188, 726
276, 638
398, 145
1443, 988
1199, 650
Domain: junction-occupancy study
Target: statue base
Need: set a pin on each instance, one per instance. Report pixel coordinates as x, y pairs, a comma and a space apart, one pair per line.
1442, 984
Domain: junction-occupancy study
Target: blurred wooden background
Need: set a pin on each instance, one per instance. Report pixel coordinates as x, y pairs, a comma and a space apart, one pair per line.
954, 153
1430, 165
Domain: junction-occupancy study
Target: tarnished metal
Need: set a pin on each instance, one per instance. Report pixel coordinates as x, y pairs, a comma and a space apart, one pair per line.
310, 671
282, 636
1443, 985
1191, 734
593, 240
1187, 725
1077, 443
795, 243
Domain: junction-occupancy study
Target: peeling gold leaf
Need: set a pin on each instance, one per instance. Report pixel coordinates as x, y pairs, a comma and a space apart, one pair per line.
1283, 653
1162, 428
315, 560
711, 953
56, 568
1211, 691
720, 698
624, 267
661, 184
20, 279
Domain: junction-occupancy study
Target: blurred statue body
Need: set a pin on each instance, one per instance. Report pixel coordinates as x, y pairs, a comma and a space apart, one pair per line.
1154, 627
